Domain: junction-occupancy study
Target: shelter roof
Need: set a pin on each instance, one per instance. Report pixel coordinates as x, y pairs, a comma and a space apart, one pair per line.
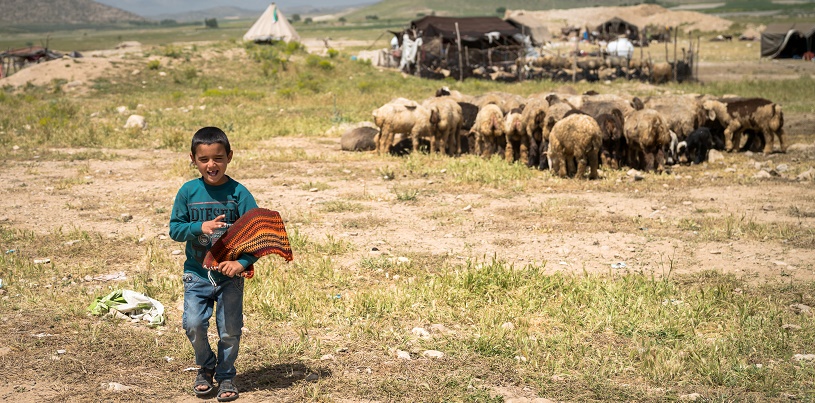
471, 28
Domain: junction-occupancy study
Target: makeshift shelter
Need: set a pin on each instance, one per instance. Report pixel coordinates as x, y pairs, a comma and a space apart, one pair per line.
787, 40
13, 60
615, 27
271, 26
531, 26
457, 46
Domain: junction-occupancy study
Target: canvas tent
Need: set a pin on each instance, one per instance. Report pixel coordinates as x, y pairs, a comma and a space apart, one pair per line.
271, 26
787, 40
476, 32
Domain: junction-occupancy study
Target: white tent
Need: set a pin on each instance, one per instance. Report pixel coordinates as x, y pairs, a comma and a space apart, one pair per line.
272, 25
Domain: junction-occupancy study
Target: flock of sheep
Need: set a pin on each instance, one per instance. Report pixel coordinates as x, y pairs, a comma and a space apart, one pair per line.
570, 133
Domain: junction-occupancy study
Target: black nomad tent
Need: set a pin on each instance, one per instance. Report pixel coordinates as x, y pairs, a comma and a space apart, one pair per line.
615, 27
487, 42
787, 40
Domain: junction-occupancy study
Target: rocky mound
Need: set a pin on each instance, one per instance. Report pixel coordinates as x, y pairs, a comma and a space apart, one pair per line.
641, 16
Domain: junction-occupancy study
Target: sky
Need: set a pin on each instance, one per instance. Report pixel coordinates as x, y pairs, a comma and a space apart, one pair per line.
147, 8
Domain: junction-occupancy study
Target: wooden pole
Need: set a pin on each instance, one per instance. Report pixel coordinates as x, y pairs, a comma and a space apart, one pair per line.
698, 54
460, 63
574, 59
676, 62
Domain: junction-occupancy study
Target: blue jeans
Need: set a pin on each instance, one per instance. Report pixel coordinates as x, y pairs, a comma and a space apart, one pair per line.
199, 297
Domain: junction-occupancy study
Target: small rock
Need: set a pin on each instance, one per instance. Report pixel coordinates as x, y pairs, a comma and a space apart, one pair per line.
176, 252
136, 121
687, 203
61, 352
115, 386
420, 332
730, 170
125, 217
42, 261
801, 309
468, 208
327, 357
404, 355
402, 260
715, 156
806, 176
507, 326
312, 377
782, 168
121, 109
762, 175
438, 328
692, 397
790, 327
767, 207
432, 354
557, 378
804, 357
313, 190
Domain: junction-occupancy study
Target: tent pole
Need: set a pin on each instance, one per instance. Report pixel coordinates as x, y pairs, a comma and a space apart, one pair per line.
460, 64
574, 59
676, 62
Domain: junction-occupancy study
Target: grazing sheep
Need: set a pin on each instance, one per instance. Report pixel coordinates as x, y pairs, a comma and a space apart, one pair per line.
516, 135
445, 120
737, 115
696, 146
646, 134
614, 146
359, 139
488, 127
576, 136
401, 116
533, 116
505, 101
672, 149
556, 112
682, 113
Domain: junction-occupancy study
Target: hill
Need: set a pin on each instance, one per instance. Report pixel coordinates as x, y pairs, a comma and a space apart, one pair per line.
21, 12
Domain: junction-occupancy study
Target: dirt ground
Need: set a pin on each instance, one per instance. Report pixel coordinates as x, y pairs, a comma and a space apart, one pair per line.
468, 224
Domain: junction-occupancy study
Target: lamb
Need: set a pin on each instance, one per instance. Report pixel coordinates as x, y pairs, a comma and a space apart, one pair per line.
400, 116
682, 113
737, 115
488, 127
576, 136
557, 111
646, 134
532, 117
614, 145
504, 100
696, 146
445, 121
516, 135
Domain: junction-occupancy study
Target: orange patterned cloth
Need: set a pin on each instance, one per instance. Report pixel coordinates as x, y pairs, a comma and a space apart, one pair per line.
259, 232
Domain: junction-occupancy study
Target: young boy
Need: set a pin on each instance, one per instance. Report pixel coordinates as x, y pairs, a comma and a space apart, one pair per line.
204, 208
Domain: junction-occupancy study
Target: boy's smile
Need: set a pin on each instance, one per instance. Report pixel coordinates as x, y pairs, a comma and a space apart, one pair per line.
211, 161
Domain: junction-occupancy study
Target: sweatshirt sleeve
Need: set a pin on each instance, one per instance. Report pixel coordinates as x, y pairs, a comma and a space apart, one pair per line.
181, 229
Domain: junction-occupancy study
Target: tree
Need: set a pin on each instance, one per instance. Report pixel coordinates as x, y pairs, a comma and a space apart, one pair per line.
211, 22
501, 10
308, 20
342, 20
295, 18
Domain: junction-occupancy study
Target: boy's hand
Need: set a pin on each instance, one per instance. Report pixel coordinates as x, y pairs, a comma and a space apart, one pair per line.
208, 227
230, 268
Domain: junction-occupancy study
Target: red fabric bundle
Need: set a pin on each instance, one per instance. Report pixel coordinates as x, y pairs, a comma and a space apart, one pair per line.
259, 232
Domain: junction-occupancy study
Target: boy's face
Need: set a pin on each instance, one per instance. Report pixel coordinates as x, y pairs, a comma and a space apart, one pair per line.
211, 160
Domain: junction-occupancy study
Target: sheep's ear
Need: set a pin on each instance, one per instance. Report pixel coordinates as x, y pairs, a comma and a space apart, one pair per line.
711, 114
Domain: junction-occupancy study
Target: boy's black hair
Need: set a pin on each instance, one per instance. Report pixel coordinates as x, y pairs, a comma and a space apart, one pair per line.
210, 135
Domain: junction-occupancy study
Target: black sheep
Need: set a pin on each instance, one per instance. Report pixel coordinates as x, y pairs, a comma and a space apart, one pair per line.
696, 146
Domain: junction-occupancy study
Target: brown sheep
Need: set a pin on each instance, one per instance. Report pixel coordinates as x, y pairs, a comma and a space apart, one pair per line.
682, 113
516, 134
614, 146
400, 116
445, 120
738, 115
533, 116
488, 127
646, 134
576, 136
504, 100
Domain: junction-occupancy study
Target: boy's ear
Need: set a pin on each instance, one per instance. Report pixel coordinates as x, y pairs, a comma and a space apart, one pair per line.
229, 157
192, 158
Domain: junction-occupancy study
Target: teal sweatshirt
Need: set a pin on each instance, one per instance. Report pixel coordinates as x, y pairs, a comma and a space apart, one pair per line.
197, 202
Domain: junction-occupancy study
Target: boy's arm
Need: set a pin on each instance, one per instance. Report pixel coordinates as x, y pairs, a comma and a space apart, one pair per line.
181, 229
